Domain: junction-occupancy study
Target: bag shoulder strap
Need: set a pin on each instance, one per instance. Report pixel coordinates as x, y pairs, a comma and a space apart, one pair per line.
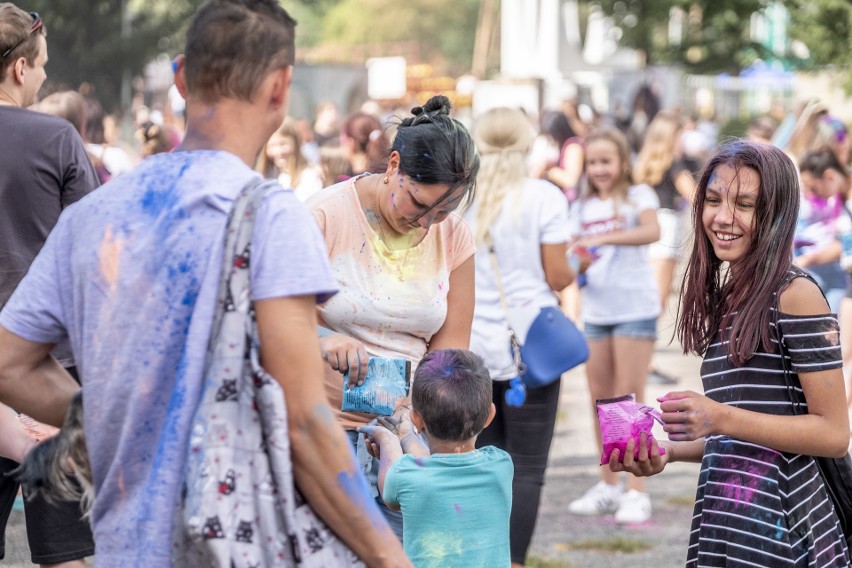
498, 279
238, 231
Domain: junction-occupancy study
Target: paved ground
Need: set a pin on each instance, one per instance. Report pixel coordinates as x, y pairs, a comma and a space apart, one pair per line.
565, 541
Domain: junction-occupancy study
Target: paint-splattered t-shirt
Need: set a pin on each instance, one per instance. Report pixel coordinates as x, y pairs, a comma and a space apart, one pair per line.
756, 506
130, 275
393, 301
455, 507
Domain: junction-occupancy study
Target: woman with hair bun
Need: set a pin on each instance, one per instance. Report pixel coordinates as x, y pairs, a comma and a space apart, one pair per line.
402, 256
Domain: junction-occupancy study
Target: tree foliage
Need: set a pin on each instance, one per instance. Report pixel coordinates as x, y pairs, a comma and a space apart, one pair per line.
825, 26
101, 41
442, 30
98, 41
715, 34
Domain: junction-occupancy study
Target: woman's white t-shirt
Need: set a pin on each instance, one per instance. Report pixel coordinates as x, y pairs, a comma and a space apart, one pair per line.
620, 283
537, 215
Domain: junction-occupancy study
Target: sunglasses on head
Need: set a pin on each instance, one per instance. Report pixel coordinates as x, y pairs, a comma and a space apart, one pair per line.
37, 23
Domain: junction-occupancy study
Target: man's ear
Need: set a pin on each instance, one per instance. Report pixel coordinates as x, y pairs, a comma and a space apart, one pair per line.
491, 414
19, 69
280, 92
178, 66
417, 420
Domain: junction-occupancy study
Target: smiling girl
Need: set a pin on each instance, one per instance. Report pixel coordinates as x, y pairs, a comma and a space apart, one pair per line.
620, 301
761, 500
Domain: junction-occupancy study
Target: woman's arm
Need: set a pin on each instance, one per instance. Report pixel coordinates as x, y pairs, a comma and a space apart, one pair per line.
824, 431
455, 333
15, 441
645, 233
557, 271
323, 465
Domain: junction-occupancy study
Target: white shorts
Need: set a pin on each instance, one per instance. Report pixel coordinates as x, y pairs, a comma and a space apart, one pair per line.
672, 241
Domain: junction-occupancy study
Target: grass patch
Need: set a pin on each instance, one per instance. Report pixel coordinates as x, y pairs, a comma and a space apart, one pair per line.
682, 500
618, 544
536, 562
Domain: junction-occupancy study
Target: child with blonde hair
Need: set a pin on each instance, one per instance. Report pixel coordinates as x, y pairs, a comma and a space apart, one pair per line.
620, 301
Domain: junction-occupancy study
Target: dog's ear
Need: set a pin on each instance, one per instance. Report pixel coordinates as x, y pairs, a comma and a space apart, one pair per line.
58, 467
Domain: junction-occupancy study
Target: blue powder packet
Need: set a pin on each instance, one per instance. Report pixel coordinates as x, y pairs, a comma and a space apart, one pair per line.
387, 381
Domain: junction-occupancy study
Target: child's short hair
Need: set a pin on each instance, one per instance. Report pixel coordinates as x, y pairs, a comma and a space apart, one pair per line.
452, 392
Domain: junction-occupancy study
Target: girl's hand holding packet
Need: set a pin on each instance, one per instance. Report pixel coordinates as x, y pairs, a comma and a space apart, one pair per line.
620, 420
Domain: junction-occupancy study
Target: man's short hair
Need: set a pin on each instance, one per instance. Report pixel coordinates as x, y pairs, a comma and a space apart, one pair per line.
16, 27
232, 45
452, 392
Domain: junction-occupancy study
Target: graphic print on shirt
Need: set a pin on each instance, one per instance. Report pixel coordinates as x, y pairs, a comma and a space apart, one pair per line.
603, 226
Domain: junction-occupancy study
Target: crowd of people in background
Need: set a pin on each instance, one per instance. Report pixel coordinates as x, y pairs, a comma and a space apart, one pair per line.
404, 218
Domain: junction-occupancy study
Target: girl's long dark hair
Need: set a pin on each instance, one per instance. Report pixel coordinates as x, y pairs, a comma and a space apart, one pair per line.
739, 302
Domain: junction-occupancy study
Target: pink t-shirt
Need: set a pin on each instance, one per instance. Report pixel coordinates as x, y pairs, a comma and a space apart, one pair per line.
393, 301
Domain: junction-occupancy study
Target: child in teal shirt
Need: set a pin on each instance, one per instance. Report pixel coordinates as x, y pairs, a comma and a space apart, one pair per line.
455, 499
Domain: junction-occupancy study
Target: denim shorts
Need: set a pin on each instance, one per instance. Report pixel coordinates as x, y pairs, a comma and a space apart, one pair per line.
637, 329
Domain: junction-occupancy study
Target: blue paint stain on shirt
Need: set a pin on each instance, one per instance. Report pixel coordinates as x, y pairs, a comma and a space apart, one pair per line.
159, 197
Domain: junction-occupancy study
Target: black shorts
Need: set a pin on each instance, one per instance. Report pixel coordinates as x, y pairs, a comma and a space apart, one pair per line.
55, 532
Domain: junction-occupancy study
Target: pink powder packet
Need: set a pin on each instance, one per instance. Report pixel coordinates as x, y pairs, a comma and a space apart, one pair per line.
623, 418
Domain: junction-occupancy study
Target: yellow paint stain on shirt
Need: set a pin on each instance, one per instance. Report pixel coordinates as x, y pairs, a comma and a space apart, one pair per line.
437, 546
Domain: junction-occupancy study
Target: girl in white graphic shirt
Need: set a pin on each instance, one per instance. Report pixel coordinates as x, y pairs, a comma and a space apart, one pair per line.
612, 224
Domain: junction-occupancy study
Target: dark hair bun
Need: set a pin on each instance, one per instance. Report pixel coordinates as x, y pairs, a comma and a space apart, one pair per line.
438, 105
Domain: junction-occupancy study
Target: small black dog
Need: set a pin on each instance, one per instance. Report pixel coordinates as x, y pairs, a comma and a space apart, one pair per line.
58, 467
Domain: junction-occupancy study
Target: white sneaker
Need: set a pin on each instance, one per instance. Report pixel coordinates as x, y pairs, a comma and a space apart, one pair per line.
634, 507
601, 499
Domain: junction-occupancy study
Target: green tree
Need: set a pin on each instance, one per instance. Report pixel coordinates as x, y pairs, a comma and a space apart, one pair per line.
825, 27
103, 41
441, 30
715, 34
